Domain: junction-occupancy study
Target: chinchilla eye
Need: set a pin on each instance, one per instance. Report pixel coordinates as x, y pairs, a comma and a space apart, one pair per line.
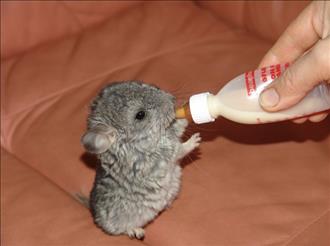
140, 115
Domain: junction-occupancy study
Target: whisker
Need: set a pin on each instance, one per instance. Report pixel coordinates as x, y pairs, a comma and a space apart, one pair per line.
198, 127
192, 162
181, 85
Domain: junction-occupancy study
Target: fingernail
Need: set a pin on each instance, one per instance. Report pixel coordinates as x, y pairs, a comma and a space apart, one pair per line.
269, 98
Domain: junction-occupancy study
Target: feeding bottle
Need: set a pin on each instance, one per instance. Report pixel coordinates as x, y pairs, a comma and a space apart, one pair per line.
238, 100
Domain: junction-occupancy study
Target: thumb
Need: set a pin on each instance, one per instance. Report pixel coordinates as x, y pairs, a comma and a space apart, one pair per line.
300, 78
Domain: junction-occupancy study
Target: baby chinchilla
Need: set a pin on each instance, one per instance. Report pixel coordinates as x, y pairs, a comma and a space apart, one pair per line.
133, 130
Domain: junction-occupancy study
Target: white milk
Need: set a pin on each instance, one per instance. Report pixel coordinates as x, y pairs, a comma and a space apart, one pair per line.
238, 100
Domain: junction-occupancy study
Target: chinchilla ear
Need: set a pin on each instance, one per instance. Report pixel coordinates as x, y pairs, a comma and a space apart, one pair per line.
98, 140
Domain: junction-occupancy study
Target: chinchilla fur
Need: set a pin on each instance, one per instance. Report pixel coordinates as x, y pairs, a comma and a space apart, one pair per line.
133, 131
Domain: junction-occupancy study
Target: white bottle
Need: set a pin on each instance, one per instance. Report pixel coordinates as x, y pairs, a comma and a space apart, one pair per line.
238, 100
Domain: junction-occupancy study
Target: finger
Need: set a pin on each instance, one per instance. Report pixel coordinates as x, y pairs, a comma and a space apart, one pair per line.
299, 36
300, 120
298, 79
313, 118
318, 117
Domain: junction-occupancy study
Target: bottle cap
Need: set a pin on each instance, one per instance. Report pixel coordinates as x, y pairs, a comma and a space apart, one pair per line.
199, 108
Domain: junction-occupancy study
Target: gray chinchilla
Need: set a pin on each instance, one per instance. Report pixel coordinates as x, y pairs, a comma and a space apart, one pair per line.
133, 130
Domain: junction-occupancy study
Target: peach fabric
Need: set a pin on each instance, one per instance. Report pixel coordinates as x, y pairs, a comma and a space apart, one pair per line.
247, 185
266, 19
38, 212
27, 24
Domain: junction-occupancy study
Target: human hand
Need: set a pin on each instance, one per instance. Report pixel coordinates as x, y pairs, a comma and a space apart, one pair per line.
305, 44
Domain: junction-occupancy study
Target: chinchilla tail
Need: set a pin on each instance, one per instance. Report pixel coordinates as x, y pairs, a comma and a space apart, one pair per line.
82, 199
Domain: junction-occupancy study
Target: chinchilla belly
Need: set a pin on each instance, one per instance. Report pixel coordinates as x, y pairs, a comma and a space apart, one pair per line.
118, 205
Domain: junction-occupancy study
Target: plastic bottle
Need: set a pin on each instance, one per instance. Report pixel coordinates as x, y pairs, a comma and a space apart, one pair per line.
238, 100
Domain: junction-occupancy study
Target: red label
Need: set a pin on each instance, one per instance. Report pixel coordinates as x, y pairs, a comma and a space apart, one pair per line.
250, 82
267, 74
272, 72
275, 71
264, 74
